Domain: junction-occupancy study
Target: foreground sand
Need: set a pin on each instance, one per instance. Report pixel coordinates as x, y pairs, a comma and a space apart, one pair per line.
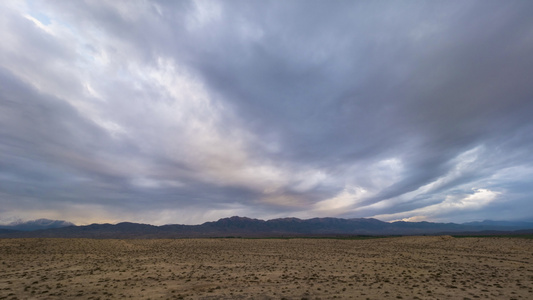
389, 268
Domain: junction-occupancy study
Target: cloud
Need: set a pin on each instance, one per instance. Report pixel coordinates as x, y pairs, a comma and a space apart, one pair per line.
182, 112
444, 210
345, 200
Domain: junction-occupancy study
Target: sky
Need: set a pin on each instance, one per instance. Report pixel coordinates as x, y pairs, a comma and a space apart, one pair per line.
182, 112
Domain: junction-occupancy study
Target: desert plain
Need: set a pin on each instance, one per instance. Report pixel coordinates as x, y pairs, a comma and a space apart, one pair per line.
433, 267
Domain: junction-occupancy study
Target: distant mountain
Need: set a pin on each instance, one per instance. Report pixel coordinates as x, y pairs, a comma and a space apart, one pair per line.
7, 231
285, 227
489, 224
36, 225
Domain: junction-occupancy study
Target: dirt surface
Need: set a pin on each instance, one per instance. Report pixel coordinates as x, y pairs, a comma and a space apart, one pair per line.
388, 268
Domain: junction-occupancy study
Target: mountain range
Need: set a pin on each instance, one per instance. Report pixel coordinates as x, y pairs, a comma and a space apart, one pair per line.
36, 225
247, 227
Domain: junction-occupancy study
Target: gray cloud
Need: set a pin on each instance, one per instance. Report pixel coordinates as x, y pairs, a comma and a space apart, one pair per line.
183, 112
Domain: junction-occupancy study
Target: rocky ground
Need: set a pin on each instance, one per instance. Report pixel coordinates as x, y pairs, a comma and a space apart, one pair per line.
387, 268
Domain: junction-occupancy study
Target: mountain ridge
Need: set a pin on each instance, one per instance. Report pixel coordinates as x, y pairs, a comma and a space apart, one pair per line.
36, 224
247, 227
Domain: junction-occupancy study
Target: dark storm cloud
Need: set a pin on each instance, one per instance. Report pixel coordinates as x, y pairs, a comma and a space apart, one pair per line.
187, 111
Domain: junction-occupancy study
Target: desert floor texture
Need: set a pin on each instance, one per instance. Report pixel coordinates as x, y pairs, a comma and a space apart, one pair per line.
386, 268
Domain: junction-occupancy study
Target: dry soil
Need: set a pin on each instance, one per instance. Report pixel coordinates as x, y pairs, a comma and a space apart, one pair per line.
387, 268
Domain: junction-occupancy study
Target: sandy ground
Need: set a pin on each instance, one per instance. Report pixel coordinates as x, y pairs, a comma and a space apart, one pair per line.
389, 268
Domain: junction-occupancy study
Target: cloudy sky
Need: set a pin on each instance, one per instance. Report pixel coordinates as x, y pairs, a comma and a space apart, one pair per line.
189, 111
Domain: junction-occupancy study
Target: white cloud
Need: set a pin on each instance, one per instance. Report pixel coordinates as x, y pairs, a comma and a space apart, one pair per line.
342, 202
463, 163
479, 199
205, 12
386, 172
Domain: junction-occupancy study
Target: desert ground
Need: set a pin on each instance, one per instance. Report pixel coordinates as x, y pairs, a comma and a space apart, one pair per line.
439, 267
